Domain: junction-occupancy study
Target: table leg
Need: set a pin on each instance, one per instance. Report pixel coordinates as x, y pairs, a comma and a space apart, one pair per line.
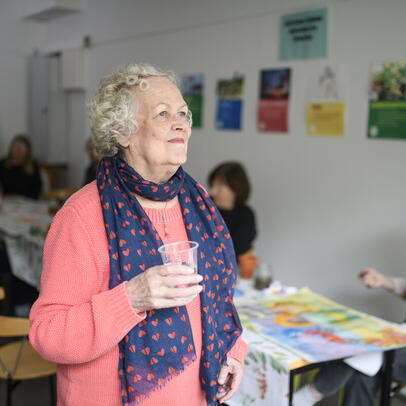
387, 378
291, 381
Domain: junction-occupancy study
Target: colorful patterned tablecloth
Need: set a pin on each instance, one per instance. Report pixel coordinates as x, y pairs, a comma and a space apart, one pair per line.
266, 373
24, 224
284, 332
266, 370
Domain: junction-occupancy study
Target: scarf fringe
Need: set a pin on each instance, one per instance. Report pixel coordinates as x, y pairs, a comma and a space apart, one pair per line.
161, 385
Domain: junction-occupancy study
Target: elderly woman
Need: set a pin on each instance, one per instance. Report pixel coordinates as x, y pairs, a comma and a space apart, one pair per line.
123, 328
19, 172
230, 189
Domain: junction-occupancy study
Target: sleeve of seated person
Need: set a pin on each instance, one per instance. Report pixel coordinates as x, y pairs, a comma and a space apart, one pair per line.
400, 286
76, 317
245, 233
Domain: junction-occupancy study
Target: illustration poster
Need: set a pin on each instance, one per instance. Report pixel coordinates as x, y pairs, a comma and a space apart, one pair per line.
325, 118
387, 101
229, 103
318, 329
325, 109
273, 105
303, 35
192, 90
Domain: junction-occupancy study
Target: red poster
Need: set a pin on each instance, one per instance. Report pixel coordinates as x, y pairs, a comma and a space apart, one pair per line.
273, 105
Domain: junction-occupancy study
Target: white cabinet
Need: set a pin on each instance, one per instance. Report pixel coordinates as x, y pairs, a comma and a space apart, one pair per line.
48, 110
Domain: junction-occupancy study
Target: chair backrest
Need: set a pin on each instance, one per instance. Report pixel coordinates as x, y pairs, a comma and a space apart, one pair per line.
14, 326
2, 294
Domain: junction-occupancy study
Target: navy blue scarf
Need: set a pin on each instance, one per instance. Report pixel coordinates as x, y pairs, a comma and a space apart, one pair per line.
161, 346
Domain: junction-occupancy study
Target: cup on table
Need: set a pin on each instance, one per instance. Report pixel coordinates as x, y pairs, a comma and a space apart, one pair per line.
180, 253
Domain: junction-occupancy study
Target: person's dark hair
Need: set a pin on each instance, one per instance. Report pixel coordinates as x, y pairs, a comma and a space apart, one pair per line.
28, 163
233, 174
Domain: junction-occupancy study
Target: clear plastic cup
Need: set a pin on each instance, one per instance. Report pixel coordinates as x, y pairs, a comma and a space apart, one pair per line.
180, 253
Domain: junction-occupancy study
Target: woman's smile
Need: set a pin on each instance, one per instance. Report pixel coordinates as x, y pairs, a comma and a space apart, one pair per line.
177, 141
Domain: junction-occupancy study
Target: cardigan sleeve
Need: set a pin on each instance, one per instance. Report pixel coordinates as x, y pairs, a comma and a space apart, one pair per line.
77, 318
239, 350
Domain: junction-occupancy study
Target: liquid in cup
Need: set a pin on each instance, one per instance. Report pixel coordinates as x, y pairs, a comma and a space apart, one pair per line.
180, 253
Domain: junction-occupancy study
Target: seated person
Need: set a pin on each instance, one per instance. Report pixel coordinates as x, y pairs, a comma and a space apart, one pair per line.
230, 189
19, 175
19, 172
90, 174
360, 389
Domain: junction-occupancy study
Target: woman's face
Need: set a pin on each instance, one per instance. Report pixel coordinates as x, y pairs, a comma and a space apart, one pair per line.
159, 146
19, 151
222, 195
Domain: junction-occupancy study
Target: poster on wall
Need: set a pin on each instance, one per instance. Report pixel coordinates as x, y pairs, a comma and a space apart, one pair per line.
303, 35
273, 104
192, 90
229, 103
325, 108
387, 101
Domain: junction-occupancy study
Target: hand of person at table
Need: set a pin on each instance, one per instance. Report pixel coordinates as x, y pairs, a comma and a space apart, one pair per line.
229, 378
374, 279
157, 287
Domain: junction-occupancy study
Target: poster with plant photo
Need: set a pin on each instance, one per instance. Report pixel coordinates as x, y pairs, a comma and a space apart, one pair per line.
192, 90
387, 101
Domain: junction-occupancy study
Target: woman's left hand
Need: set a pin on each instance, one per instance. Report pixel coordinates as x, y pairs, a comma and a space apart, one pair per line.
230, 377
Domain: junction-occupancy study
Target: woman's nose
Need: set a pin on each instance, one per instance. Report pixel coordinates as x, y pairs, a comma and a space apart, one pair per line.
179, 125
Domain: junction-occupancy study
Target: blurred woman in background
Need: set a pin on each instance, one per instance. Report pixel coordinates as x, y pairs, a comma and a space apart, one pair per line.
19, 171
230, 189
19, 176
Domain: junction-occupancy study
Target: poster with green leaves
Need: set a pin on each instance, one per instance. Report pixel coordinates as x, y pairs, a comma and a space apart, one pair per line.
387, 101
192, 90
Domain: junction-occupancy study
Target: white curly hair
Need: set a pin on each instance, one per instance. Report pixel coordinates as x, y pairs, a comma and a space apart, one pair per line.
113, 109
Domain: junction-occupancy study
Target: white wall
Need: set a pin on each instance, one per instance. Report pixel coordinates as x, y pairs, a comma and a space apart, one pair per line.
17, 40
326, 207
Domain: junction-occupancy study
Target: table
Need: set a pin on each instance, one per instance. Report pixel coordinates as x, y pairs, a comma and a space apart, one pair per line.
386, 378
289, 334
24, 224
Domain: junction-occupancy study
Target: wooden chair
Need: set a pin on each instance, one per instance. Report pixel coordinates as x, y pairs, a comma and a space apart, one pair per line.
1, 293
18, 359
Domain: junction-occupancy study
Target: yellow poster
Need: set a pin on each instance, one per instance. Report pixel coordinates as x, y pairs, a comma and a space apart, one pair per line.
325, 118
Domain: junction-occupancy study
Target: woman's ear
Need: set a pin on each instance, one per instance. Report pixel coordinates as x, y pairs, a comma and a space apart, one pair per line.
123, 141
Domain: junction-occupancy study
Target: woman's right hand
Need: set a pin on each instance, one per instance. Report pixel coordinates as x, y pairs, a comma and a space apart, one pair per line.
157, 287
371, 278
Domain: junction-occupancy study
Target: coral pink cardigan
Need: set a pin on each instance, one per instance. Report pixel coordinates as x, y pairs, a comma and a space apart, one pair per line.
78, 322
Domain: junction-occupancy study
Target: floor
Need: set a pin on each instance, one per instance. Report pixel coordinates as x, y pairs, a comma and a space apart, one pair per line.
36, 393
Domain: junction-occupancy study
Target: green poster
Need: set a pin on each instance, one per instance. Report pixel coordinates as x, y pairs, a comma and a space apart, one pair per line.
303, 35
387, 101
192, 90
195, 104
